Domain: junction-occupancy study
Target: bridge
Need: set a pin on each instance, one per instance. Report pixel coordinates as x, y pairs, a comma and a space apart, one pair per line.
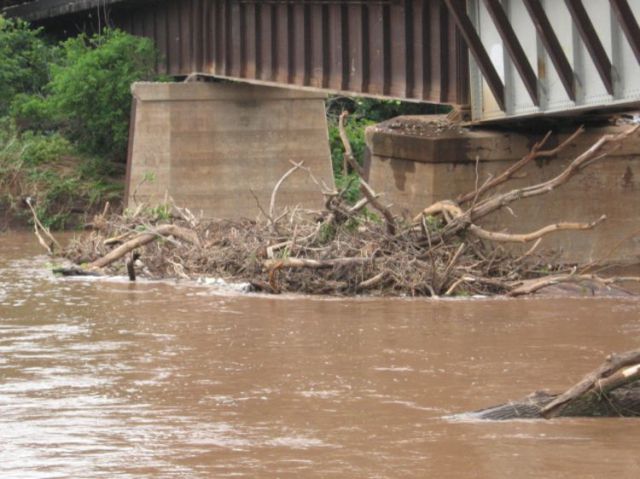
504, 59
209, 143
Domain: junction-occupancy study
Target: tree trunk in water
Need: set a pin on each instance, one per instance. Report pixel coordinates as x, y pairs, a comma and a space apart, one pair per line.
612, 390
623, 402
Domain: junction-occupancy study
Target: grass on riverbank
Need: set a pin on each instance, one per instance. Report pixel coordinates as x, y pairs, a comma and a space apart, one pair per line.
64, 120
65, 185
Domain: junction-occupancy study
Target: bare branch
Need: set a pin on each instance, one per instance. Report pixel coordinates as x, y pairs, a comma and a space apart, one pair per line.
272, 203
528, 158
593, 381
373, 281
143, 239
597, 151
39, 227
534, 235
447, 206
367, 191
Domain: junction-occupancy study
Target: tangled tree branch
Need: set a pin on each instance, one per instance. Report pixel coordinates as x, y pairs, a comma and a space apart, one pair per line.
535, 153
142, 239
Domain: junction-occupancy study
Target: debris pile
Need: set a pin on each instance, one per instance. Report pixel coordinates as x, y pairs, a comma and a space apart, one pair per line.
348, 249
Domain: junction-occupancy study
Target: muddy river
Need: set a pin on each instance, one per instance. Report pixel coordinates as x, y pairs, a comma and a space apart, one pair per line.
107, 379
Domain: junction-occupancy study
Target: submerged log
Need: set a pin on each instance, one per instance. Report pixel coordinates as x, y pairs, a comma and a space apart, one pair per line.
75, 271
623, 402
612, 390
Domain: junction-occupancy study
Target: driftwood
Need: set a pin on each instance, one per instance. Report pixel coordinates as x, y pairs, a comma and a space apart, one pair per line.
312, 263
522, 288
347, 250
142, 239
535, 153
611, 390
458, 220
131, 265
39, 230
74, 271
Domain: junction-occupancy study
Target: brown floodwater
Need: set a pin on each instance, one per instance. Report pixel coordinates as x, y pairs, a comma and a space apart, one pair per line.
106, 379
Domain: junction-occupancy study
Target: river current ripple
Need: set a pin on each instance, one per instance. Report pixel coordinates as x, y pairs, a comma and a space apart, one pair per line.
106, 379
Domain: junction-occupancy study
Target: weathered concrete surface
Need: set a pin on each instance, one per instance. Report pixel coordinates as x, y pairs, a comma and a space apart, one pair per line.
419, 160
208, 145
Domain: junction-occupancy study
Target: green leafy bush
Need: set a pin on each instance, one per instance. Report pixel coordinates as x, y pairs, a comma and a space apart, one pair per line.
39, 148
90, 90
24, 61
63, 184
33, 112
64, 118
80, 87
363, 113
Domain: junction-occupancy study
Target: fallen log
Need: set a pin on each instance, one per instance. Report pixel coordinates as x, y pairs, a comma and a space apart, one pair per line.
75, 271
293, 263
612, 390
142, 239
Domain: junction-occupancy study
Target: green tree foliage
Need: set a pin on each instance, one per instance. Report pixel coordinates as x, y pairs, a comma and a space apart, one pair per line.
46, 168
364, 112
90, 88
64, 116
24, 61
80, 87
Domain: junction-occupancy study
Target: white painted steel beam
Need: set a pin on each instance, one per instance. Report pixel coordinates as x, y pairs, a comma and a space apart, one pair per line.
603, 71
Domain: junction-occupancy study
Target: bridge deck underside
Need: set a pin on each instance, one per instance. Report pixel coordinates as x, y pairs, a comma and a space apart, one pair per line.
408, 49
528, 57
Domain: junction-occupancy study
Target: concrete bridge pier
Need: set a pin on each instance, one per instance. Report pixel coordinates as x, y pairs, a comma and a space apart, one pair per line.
208, 145
417, 161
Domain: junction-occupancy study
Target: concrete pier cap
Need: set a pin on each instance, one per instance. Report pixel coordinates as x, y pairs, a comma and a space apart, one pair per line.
418, 160
212, 146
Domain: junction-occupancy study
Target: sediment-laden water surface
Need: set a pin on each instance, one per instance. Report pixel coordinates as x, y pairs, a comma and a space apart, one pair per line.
105, 379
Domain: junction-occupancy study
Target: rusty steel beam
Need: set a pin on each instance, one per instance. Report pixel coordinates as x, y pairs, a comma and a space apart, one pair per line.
407, 49
513, 46
477, 49
552, 45
628, 23
592, 42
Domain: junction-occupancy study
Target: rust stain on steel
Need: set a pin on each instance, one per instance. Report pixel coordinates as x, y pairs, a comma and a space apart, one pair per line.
395, 48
